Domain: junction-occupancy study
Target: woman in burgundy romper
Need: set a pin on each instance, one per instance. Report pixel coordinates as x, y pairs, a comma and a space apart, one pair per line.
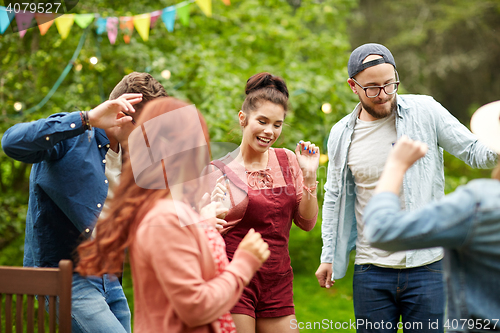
265, 189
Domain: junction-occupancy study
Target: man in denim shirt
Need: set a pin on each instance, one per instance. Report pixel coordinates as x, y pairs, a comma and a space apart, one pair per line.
466, 223
69, 184
388, 284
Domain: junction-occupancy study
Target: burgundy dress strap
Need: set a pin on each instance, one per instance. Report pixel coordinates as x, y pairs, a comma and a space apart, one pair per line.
284, 165
232, 177
221, 166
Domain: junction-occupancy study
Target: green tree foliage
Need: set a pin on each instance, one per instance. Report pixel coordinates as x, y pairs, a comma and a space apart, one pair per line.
449, 49
209, 60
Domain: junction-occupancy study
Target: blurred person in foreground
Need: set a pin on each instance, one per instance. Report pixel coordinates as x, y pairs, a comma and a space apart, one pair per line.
466, 223
77, 160
183, 281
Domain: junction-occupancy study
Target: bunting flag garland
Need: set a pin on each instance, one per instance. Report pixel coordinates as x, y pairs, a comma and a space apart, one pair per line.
23, 22
112, 27
5, 19
168, 17
142, 22
205, 6
64, 24
183, 14
44, 21
127, 27
83, 20
101, 25
154, 17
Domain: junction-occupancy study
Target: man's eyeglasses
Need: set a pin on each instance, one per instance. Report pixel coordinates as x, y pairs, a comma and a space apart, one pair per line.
373, 91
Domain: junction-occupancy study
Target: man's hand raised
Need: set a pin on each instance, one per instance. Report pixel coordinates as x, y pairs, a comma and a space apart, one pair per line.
106, 115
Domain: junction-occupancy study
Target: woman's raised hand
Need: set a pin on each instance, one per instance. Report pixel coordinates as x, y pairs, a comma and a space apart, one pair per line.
221, 194
308, 157
254, 244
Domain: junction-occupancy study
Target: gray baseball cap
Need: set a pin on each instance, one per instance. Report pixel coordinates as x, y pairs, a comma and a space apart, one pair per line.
355, 64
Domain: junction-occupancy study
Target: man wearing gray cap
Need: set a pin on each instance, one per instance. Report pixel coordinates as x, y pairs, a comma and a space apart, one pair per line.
388, 285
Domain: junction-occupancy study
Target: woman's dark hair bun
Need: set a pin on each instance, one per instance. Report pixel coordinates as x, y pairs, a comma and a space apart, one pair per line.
266, 80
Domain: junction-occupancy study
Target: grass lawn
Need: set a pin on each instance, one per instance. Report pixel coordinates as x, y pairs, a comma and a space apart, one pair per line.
323, 310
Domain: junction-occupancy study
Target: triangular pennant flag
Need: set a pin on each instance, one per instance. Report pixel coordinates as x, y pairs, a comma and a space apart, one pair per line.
83, 20
44, 21
101, 25
154, 16
127, 27
23, 20
168, 18
183, 14
112, 27
205, 6
64, 24
5, 18
227, 2
142, 23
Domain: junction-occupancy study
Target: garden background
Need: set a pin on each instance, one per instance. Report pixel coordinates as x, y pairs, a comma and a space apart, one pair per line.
449, 49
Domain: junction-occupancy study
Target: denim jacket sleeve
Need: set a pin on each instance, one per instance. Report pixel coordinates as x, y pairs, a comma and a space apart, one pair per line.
456, 139
330, 219
42, 139
327, 226
445, 223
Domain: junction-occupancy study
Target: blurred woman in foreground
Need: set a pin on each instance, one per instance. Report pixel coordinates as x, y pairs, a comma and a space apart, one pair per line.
183, 281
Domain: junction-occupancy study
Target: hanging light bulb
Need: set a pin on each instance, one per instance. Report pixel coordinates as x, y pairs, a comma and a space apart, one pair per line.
18, 106
166, 74
326, 107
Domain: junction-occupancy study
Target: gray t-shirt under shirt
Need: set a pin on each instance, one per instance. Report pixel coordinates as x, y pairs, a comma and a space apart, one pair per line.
370, 146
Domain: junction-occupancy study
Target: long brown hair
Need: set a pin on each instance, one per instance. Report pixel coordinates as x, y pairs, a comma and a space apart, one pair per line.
114, 233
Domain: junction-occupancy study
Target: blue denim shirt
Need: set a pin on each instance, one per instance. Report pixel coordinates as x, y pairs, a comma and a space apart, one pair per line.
420, 118
467, 224
67, 183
